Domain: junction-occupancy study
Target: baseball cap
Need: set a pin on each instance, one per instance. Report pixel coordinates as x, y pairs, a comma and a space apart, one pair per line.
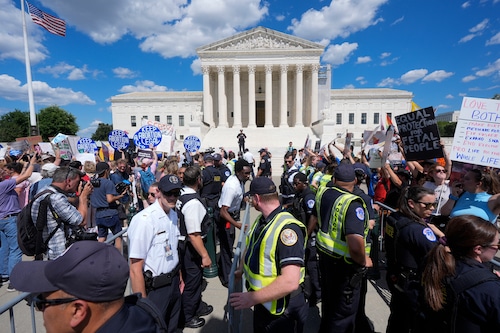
344, 172
101, 167
217, 157
49, 167
261, 185
89, 270
208, 157
169, 182
261, 150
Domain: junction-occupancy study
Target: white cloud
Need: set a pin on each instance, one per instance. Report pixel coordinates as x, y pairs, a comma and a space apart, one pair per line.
169, 27
399, 20
73, 73
196, 66
280, 18
124, 73
142, 86
465, 4
449, 96
12, 89
468, 78
385, 55
387, 82
349, 86
361, 80
364, 60
413, 75
339, 54
491, 69
475, 31
88, 131
494, 40
11, 35
437, 76
339, 19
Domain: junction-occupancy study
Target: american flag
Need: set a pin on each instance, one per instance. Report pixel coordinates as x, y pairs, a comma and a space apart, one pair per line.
51, 23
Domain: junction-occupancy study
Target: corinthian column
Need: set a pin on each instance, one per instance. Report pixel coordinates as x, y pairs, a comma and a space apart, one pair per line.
222, 96
314, 93
283, 95
251, 96
236, 96
269, 96
207, 98
299, 95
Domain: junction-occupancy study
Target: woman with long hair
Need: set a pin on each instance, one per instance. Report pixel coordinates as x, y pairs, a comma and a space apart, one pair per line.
457, 263
480, 196
439, 184
408, 239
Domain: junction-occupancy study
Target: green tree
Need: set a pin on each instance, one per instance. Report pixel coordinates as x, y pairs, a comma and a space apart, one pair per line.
102, 132
15, 124
447, 128
53, 120
497, 96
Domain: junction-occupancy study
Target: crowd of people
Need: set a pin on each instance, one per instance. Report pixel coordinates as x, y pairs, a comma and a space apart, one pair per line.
315, 240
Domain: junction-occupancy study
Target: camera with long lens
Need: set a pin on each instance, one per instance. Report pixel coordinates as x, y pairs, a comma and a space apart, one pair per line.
122, 186
94, 181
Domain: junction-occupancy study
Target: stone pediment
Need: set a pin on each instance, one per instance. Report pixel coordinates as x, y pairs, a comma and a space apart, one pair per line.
260, 38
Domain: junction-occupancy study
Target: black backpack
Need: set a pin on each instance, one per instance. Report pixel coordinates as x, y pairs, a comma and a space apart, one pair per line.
206, 224
29, 233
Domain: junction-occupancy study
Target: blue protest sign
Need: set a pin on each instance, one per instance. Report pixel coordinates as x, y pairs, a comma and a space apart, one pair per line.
192, 143
118, 139
147, 136
86, 145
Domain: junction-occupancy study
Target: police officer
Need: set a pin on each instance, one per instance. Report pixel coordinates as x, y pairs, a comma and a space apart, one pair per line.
408, 239
212, 185
264, 169
225, 172
273, 265
153, 252
194, 256
286, 186
302, 208
230, 205
343, 227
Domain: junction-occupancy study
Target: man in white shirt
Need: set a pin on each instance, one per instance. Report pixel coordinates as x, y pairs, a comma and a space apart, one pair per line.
248, 156
230, 205
153, 251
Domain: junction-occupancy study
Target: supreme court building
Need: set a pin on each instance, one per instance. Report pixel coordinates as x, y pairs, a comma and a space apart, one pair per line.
269, 84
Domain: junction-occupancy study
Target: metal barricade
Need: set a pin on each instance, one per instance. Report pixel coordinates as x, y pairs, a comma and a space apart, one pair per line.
9, 306
382, 215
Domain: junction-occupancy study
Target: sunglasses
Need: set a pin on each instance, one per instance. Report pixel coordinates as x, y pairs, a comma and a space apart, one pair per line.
427, 205
151, 194
172, 193
441, 170
42, 303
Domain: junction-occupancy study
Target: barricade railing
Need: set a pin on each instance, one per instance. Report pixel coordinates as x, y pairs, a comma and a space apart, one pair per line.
9, 306
384, 209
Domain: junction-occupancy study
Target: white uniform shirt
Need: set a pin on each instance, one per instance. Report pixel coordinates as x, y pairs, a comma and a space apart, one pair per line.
193, 212
232, 194
154, 237
249, 157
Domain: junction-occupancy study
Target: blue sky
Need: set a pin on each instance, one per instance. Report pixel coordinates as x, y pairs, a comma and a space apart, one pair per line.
438, 50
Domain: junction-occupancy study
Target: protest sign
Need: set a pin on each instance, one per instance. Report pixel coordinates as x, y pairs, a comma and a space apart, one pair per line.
32, 140
86, 145
168, 135
118, 139
145, 153
17, 148
147, 136
477, 136
192, 143
420, 135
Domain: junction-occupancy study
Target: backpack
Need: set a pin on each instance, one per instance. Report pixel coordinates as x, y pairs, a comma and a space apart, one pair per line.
147, 178
206, 224
149, 307
29, 233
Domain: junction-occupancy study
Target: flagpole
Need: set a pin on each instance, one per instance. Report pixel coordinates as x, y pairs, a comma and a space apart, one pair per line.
33, 127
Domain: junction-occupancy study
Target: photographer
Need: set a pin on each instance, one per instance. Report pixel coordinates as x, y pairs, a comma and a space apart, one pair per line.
122, 175
104, 198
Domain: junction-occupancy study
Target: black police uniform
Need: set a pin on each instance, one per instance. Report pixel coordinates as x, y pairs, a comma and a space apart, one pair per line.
476, 309
212, 187
265, 165
224, 172
286, 189
302, 209
340, 280
407, 242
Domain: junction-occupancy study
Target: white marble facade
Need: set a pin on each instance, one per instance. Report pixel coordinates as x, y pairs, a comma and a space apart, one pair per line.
262, 79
